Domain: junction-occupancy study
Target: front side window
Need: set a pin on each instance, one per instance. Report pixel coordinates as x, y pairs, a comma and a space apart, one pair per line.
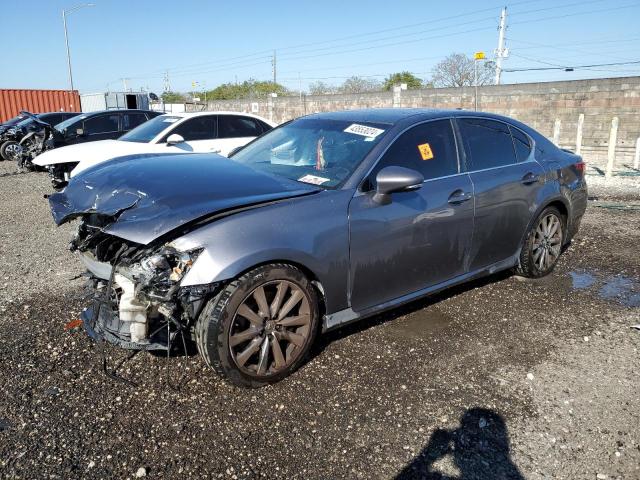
487, 143
198, 128
233, 126
429, 148
522, 144
102, 124
310, 150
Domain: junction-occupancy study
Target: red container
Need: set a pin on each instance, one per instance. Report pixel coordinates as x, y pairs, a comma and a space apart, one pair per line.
37, 101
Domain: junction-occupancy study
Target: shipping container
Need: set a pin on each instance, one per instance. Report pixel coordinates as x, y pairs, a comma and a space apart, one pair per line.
12, 101
92, 102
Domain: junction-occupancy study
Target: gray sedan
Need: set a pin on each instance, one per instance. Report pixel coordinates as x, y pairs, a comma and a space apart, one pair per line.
322, 221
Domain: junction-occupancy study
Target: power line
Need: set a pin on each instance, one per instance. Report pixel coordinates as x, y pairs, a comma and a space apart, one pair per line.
636, 62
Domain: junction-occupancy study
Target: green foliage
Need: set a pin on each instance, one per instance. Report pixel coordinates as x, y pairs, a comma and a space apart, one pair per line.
248, 89
402, 77
173, 97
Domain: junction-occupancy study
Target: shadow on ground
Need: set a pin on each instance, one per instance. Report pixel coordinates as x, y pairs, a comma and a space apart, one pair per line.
479, 449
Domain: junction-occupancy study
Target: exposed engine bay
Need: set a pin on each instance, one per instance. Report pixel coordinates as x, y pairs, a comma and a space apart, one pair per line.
137, 302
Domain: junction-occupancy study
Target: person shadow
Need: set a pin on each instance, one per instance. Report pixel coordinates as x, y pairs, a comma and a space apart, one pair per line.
479, 449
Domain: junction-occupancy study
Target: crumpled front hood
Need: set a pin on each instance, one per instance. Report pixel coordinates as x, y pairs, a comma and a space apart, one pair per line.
151, 195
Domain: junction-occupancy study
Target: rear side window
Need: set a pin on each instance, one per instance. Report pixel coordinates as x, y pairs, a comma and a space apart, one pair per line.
198, 128
522, 144
487, 143
132, 120
429, 148
230, 126
102, 124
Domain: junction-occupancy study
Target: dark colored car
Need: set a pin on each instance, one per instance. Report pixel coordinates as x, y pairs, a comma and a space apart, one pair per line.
24, 123
102, 125
322, 221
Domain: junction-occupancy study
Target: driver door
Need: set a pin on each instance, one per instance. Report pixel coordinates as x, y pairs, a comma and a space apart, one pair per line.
199, 135
420, 239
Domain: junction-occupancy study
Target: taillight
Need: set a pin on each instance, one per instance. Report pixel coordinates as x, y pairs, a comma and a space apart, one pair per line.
580, 167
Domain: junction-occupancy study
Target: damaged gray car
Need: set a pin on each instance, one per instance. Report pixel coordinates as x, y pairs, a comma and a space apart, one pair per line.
327, 219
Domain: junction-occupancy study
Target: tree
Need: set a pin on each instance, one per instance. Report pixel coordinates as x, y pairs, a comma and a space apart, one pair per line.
173, 97
248, 89
457, 71
321, 88
357, 84
402, 77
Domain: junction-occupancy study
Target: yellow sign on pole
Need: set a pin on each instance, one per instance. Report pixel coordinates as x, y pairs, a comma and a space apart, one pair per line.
478, 56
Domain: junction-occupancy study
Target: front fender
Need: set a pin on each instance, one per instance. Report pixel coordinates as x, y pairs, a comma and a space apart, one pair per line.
311, 232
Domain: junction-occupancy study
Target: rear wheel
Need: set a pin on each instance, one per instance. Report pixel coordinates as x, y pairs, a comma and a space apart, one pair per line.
9, 150
543, 244
260, 327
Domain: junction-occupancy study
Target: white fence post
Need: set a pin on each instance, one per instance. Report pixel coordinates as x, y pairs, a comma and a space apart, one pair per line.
556, 131
636, 159
611, 154
579, 134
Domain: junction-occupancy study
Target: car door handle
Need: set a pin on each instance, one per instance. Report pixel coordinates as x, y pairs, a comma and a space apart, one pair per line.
529, 178
459, 196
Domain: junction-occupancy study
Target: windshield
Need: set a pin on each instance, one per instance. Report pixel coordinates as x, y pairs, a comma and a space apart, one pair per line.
150, 129
317, 151
63, 125
14, 120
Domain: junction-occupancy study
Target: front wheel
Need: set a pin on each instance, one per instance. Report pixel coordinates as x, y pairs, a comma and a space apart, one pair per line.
260, 327
543, 244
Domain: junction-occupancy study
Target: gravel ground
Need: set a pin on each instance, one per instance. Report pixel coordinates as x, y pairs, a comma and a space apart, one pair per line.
502, 378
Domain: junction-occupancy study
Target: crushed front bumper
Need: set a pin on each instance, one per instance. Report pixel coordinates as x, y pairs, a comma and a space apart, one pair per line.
107, 326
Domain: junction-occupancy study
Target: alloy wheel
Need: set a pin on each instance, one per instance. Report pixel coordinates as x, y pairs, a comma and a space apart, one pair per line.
270, 328
547, 242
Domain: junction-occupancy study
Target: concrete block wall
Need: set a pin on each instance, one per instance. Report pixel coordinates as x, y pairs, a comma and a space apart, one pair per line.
536, 104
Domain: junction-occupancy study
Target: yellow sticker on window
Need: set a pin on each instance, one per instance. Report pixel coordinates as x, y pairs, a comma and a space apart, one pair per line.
425, 151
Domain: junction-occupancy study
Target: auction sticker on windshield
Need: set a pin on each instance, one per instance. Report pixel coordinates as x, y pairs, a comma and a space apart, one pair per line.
363, 130
312, 179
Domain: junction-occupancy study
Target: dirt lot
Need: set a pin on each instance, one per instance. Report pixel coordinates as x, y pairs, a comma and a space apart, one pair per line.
500, 379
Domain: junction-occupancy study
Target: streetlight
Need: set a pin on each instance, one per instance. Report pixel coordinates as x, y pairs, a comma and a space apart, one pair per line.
66, 36
477, 56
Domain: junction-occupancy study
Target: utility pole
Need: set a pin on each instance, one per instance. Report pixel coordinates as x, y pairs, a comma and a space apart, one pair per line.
124, 84
501, 52
273, 66
66, 36
166, 85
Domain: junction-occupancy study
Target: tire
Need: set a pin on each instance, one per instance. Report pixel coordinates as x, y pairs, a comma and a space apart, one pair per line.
3, 150
242, 343
543, 245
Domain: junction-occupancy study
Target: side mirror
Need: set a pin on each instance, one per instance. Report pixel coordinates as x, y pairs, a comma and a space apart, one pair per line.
79, 132
395, 179
174, 139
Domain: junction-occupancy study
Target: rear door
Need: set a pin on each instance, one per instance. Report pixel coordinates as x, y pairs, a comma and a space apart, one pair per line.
131, 120
506, 180
421, 238
235, 131
104, 126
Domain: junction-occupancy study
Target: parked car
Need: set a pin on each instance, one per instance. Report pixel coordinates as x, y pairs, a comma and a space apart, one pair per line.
216, 132
29, 122
11, 122
322, 221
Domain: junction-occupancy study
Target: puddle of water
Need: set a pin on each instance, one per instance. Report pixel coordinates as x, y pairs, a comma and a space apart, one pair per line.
618, 288
582, 279
622, 289
422, 323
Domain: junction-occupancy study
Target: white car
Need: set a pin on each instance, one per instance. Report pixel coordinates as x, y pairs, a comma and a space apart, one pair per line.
200, 132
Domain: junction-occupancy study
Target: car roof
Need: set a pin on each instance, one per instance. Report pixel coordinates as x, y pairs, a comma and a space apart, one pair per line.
392, 116
216, 112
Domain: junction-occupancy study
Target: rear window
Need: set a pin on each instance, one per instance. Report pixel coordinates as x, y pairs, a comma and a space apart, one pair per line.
487, 143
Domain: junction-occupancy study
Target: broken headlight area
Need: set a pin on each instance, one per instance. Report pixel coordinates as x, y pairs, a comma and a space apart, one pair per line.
138, 302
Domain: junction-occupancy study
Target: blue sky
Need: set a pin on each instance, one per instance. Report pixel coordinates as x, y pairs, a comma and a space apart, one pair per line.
212, 42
